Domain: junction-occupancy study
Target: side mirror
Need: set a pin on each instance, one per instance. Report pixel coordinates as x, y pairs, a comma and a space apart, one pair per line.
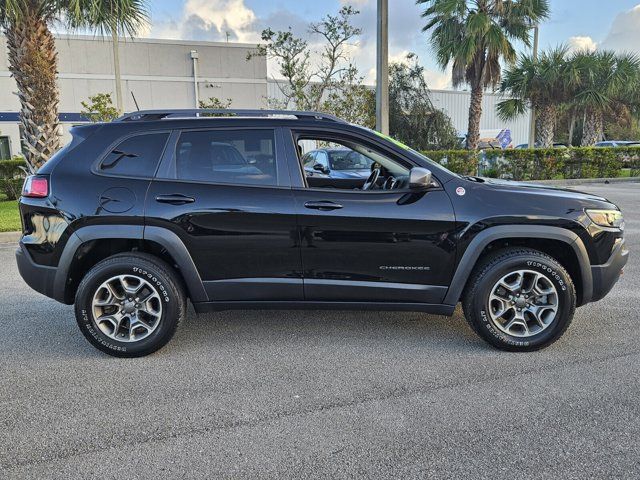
320, 168
420, 178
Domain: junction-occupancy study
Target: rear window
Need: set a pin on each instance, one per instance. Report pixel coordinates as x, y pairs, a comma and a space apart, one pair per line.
137, 156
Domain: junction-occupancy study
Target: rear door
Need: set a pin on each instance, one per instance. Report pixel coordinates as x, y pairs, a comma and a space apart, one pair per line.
226, 193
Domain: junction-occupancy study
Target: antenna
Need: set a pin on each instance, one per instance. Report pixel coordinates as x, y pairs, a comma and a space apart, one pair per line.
135, 101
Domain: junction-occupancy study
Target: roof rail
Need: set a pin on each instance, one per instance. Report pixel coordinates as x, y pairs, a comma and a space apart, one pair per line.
144, 115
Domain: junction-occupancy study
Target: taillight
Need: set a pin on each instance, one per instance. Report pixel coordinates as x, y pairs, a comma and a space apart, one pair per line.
35, 187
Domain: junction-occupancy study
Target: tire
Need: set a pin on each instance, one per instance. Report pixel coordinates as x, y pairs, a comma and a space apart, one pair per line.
124, 328
540, 320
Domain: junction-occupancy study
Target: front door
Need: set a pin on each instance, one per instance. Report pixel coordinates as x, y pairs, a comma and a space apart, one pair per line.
387, 243
226, 195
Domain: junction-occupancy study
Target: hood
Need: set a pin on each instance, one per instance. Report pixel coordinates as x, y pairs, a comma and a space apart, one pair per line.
541, 189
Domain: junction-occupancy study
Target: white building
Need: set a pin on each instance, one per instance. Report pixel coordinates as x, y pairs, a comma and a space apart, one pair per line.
456, 104
161, 74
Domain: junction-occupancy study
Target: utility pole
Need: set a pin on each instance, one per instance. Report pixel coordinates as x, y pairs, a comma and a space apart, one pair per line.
382, 68
116, 69
532, 118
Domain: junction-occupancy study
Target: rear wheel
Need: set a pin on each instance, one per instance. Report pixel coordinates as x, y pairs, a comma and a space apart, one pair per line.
519, 299
130, 305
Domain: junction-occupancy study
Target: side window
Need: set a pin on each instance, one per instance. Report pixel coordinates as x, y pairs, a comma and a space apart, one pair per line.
137, 156
227, 156
350, 164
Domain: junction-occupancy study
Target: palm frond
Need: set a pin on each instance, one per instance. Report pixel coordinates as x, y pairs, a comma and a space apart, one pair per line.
511, 108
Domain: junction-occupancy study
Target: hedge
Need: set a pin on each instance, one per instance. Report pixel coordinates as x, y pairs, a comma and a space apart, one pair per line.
12, 177
542, 163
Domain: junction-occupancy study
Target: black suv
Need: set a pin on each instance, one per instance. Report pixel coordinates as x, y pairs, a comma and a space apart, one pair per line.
134, 217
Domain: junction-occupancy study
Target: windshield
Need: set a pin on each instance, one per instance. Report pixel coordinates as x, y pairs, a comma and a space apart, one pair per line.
415, 152
348, 160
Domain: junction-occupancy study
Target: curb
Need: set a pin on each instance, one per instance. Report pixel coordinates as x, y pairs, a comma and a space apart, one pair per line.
9, 237
586, 181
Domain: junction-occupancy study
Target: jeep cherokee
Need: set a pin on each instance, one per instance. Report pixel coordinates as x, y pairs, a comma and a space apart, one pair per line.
134, 217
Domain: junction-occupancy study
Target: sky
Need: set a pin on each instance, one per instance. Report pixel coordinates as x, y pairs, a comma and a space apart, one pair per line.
581, 24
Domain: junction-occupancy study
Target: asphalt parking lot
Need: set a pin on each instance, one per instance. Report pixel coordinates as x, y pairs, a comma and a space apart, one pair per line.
323, 394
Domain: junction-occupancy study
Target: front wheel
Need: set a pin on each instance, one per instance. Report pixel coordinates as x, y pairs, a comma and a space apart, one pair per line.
130, 305
519, 299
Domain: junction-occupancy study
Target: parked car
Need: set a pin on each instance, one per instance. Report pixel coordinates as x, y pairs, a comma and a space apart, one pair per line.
617, 143
537, 145
336, 163
134, 218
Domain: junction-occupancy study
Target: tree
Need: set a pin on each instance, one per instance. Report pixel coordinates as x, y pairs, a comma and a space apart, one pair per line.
412, 117
544, 83
474, 36
215, 103
349, 99
607, 85
330, 83
99, 108
33, 58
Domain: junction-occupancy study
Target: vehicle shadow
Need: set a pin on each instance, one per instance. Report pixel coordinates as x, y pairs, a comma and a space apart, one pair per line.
45, 328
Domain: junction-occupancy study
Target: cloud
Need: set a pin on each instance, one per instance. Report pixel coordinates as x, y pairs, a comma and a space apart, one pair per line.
405, 35
582, 44
211, 20
624, 34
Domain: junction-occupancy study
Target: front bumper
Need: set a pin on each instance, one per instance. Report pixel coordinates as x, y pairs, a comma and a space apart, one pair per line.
39, 277
606, 275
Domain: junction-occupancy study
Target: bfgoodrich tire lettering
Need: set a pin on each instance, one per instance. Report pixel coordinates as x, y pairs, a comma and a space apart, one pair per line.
477, 305
160, 282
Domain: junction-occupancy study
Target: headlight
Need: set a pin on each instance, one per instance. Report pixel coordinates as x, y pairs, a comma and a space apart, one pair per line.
607, 218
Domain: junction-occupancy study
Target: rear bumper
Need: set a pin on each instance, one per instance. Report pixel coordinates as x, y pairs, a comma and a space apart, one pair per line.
39, 277
606, 275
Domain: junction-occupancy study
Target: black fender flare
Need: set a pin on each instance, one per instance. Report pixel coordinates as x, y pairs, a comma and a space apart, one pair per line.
165, 237
484, 238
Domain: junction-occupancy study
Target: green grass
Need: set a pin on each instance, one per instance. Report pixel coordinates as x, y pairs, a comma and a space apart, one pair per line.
9, 216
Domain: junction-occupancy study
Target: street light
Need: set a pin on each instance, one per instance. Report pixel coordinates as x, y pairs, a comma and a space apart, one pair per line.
382, 68
532, 118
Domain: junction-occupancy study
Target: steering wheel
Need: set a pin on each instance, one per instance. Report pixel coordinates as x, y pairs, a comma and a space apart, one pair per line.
371, 181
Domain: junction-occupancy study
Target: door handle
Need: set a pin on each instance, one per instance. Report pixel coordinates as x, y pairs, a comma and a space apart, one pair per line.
325, 205
175, 199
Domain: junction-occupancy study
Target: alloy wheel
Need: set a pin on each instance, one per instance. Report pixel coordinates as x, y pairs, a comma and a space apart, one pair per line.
523, 303
127, 308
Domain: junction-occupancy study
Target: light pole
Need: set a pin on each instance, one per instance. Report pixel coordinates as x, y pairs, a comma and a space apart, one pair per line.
196, 94
532, 118
382, 68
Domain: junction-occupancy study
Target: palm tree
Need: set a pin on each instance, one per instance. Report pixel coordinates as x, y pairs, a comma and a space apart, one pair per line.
543, 83
607, 84
33, 60
474, 36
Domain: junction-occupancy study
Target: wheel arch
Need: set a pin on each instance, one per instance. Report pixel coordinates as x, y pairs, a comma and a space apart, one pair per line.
526, 235
105, 240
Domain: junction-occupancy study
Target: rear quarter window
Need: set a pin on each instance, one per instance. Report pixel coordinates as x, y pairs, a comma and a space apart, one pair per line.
136, 156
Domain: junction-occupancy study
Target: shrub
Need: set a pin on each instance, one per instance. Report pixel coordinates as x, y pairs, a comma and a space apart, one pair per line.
464, 162
542, 163
12, 177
